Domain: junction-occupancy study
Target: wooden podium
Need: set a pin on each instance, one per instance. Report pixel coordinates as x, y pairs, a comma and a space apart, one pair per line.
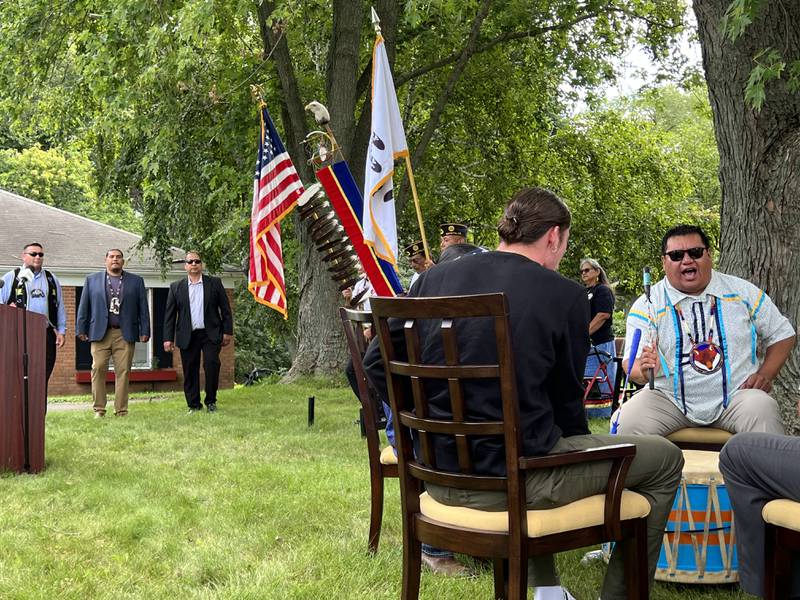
12, 433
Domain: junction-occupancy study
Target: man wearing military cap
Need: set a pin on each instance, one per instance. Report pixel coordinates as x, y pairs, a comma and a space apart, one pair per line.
416, 256
452, 233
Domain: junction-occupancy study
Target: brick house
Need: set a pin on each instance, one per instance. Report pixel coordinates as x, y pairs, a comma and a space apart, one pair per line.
75, 247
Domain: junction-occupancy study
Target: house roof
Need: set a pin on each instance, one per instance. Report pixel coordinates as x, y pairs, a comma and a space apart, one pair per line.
74, 245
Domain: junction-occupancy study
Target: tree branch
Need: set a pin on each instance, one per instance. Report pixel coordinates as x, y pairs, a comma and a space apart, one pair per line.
293, 114
433, 122
519, 35
489, 44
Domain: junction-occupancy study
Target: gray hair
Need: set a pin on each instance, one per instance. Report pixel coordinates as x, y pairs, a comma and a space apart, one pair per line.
603, 278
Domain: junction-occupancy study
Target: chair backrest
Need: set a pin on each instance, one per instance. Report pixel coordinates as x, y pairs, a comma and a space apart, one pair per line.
353, 322
415, 322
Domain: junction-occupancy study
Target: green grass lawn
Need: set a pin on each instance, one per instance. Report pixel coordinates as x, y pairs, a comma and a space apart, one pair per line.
249, 502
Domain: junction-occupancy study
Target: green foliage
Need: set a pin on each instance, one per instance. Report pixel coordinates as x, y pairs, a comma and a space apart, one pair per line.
770, 63
633, 172
628, 171
262, 337
62, 178
769, 66
158, 93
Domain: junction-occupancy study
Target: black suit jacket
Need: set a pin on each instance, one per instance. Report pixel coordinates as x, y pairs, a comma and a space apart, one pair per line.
216, 312
549, 317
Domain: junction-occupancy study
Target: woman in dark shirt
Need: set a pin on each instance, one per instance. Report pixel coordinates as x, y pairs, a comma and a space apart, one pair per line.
601, 301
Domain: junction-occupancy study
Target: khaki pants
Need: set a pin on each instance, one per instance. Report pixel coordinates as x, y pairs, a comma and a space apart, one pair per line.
113, 346
651, 412
655, 473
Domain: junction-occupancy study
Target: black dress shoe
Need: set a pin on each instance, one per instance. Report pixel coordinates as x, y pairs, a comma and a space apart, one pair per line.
211, 408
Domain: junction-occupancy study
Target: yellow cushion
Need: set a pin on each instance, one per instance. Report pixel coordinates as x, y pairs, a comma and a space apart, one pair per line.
783, 513
388, 457
581, 513
708, 435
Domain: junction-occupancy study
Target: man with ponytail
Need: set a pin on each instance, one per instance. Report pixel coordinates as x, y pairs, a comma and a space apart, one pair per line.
549, 317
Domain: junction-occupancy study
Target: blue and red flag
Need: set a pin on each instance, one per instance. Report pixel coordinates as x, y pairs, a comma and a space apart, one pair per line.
348, 203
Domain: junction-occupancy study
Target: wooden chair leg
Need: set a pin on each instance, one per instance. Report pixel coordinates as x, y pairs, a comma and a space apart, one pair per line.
376, 509
777, 565
412, 567
517, 577
637, 580
500, 578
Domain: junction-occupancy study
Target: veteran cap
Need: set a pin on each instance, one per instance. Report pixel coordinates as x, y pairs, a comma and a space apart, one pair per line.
453, 229
413, 249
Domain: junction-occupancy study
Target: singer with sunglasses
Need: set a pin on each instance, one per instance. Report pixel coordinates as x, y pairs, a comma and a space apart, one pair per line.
198, 320
720, 343
42, 294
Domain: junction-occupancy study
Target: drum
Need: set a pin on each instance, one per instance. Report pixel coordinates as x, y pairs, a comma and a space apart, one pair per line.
699, 541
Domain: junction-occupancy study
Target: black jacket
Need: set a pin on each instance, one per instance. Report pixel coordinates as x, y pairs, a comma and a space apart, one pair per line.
178, 316
549, 318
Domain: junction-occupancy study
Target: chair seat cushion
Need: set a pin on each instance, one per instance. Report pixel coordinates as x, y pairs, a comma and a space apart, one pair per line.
388, 456
708, 435
585, 512
783, 513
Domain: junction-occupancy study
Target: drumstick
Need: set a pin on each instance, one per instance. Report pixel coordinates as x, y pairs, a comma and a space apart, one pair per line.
646, 283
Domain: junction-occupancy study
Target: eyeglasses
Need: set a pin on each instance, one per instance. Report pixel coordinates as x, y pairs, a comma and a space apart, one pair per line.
39, 254
677, 255
193, 261
587, 270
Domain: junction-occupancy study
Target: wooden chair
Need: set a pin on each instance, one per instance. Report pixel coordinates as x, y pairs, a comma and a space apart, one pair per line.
510, 537
382, 463
781, 540
700, 438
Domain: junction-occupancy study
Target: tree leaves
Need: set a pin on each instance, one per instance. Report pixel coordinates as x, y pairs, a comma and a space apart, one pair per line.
769, 62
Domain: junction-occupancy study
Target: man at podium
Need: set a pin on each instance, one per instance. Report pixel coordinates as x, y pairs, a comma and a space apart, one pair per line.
39, 290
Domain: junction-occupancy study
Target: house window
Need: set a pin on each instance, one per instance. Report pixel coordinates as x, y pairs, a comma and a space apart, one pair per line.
143, 351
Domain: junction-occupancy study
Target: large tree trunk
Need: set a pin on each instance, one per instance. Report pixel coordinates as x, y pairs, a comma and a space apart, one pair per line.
759, 164
320, 340
321, 348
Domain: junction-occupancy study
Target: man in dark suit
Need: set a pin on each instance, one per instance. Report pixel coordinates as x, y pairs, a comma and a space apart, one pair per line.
198, 319
113, 314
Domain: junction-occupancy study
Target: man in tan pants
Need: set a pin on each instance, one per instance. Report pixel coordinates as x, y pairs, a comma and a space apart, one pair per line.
702, 331
113, 314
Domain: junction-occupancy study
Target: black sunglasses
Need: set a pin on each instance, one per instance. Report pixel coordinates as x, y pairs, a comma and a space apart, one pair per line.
39, 254
587, 270
677, 255
193, 261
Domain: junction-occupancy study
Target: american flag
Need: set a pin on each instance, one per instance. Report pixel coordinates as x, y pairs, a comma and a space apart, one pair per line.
276, 189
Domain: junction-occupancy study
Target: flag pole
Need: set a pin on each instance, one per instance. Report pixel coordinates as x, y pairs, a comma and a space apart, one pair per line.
416, 206
376, 23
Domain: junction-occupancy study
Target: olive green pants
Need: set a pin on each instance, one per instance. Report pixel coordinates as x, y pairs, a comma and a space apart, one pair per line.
655, 473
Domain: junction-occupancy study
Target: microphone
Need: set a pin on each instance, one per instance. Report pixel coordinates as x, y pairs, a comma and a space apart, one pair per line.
25, 275
646, 284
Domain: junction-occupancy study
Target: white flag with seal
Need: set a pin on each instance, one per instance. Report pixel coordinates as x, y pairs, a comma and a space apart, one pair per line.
387, 142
